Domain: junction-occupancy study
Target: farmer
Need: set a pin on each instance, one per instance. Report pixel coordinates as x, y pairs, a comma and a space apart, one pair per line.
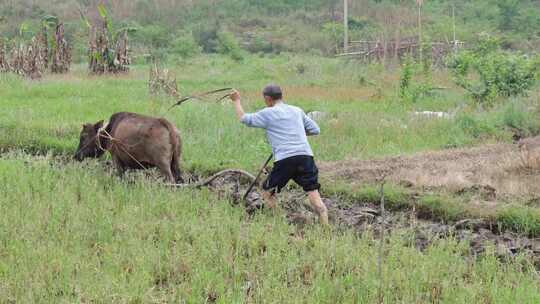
287, 128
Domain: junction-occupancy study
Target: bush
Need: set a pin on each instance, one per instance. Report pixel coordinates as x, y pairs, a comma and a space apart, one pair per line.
518, 118
207, 37
333, 31
261, 45
185, 46
509, 12
488, 72
405, 79
158, 55
154, 36
227, 44
475, 127
409, 91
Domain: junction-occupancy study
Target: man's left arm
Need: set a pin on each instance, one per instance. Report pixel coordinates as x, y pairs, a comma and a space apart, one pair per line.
256, 120
235, 97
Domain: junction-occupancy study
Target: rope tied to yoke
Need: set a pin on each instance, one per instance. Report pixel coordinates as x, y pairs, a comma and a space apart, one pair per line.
113, 141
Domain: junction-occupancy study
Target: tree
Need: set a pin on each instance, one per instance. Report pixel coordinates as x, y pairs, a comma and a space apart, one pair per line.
488, 72
509, 11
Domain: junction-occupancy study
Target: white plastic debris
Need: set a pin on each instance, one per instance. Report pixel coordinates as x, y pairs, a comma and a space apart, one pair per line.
431, 114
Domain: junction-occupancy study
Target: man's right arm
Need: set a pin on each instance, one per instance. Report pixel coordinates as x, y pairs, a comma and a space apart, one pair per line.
311, 127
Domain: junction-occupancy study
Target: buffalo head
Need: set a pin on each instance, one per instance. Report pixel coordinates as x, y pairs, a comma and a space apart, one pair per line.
88, 142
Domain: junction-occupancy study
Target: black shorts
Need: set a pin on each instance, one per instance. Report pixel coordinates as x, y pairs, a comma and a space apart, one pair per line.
301, 169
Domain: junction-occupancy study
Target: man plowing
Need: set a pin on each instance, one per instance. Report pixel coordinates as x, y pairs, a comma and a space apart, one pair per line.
287, 128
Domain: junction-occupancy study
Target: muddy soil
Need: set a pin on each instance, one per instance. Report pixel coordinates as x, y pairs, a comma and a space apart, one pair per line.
367, 217
499, 167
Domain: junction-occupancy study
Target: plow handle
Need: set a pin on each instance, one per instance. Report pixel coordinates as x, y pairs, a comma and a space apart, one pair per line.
257, 177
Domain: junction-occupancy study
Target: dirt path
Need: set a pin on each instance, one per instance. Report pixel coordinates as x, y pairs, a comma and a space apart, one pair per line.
498, 166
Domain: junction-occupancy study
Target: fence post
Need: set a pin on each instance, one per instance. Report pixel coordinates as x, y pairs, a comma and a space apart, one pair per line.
345, 26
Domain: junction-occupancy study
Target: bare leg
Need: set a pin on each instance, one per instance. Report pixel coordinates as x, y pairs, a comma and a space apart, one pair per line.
318, 205
269, 199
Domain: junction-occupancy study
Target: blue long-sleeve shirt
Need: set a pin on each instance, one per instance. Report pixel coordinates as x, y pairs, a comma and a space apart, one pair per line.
287, 128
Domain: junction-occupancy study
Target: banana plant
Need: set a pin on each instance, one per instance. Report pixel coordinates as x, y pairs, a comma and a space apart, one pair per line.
49, 21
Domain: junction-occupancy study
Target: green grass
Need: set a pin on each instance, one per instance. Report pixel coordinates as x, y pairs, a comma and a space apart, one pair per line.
519, 218
73, 233
441, 208
47, 115
365, 117
396, 197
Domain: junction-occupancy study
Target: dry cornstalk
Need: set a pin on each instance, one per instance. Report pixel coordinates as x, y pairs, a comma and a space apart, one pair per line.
106, 56
32, 59
4, 64
162, 81
122, 60
42, 48
28, 60
61, 55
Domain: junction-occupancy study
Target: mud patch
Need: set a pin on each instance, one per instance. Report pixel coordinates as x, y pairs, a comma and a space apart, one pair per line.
367, 217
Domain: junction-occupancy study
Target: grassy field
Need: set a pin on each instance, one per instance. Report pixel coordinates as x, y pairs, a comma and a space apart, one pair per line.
367, 118
75, 233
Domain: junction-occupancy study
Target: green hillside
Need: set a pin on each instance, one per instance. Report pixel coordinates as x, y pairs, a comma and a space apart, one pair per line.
176, 29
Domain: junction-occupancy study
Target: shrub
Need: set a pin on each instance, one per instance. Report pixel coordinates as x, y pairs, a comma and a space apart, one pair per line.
405, 79
185, 45
261, 45
333, 31
474, 127
488, 72
518, 118
509, 12
514, 117
154, 36
227, 44
409, 91
207, 37
158, 55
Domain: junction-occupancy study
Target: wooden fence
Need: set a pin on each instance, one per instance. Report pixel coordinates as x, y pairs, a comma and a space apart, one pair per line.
397, 49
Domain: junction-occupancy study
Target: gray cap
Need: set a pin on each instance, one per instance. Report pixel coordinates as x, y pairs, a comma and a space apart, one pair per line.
273, 91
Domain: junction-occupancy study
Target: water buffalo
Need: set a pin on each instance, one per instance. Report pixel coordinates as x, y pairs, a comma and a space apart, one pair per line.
135, 142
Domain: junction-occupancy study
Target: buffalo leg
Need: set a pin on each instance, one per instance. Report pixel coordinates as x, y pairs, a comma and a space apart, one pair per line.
165, 170
120, 168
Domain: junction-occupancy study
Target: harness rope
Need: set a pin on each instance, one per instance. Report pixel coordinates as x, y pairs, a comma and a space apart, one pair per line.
206, 182
113, 140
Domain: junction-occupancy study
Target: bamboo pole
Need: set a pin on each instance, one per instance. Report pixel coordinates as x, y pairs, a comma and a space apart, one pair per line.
345, 26
420, 2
